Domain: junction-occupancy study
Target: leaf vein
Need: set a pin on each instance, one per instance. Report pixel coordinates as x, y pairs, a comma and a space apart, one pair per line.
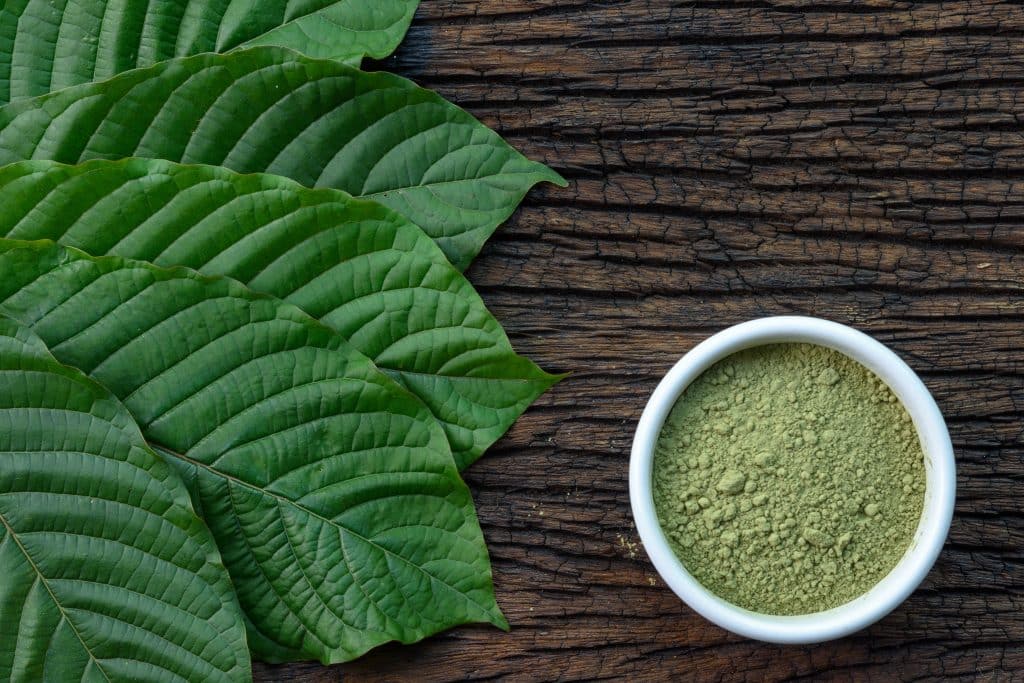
46, 585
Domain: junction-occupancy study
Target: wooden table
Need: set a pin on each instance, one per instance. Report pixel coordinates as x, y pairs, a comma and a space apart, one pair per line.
861, 161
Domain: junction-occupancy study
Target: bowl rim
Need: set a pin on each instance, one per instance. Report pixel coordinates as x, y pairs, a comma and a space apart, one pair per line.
940, 491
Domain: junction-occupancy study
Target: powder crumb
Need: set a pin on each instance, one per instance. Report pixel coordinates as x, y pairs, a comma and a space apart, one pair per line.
817, 538
828, 377
843, 541
732, 482
770, 479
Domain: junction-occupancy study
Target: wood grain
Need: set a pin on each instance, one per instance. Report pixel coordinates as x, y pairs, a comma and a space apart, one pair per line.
857, 160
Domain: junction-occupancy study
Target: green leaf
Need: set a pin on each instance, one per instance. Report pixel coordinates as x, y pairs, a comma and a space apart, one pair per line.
330, 490
53, 44
318, 122
345, 30
360, 268
108, 574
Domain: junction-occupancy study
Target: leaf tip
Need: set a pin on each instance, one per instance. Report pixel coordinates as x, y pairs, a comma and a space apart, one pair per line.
555, 378
498, 619
555, 178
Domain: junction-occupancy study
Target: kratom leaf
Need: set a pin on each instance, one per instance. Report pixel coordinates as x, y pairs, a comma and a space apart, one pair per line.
107, 572
52, 44
318, 122
361, 268
330, 490
345, 30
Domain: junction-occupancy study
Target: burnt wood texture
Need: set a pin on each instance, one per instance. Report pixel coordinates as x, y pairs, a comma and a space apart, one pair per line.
861, 161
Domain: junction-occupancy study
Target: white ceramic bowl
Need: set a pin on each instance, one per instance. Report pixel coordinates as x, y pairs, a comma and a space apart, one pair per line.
940, 490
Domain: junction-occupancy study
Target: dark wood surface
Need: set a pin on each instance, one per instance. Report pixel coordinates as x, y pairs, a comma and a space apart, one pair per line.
861, 161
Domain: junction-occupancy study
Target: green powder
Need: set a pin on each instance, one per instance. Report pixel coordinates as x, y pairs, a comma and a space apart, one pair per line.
789, 479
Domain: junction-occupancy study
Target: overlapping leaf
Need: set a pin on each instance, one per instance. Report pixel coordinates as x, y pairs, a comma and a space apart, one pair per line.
51, 44
318, 122
107, 573
346, 30
362, 269
330, 490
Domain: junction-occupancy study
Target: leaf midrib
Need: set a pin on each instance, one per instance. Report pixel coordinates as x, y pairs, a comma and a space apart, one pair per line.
469, 378
333, 523
53, 596
441, 183
319, 14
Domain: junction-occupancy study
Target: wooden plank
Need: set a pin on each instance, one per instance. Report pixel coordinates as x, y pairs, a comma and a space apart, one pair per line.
859, 161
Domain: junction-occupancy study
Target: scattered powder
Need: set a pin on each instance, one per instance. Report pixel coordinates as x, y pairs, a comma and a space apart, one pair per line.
629, 546
789, 479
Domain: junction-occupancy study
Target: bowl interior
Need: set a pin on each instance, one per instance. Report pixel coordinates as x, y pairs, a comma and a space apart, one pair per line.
939, 470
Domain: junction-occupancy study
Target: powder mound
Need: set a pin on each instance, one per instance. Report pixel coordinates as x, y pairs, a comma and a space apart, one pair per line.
788, 479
